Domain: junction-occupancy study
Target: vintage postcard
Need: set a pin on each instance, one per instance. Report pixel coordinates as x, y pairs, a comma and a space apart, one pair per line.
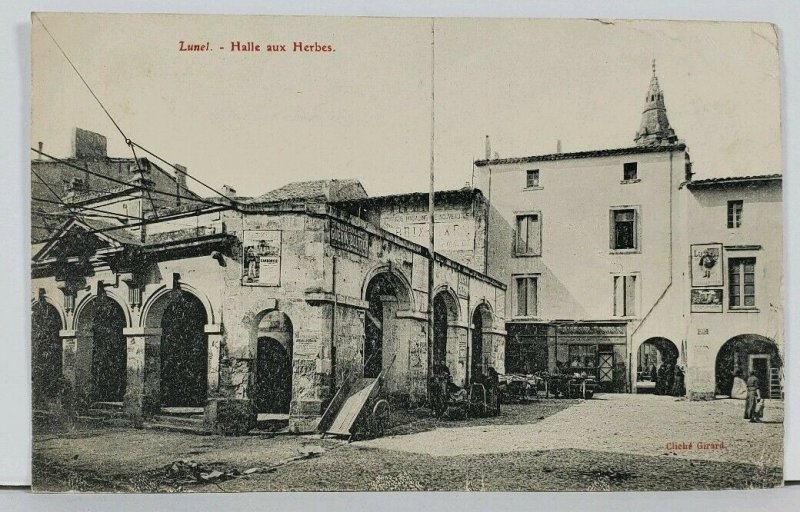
376, 254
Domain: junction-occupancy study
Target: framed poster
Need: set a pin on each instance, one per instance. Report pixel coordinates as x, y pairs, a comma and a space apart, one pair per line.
707, 300
262, 258
706, 265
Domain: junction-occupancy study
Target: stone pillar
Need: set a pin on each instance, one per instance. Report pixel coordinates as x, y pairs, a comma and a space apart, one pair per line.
457, 351
494, 349
143, 387
700, 372
229, 410
214, 333
69, 351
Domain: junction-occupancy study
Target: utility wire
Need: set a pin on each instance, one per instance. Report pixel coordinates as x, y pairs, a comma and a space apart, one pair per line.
74, 207
131, 185
80, 76
209, 187
127, 140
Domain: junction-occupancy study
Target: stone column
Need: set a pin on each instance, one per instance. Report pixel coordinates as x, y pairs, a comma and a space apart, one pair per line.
457, 351
700, 372
143, 387
214, 333
69, 351
494, 349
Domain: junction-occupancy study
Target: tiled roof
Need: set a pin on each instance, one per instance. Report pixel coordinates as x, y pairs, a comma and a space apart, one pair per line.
465, 193
710, 182
585, 154
115, 231
317, 190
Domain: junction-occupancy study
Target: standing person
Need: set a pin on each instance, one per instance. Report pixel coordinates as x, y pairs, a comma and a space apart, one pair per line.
753, 397
653, 373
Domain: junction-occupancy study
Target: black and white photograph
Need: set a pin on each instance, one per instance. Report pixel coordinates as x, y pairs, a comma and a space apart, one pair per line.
296, 253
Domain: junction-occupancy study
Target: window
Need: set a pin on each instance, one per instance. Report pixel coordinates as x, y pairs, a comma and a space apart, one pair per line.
742, 282
625, 295
527, 295
529, 235
734, 214
630, 171
624, 229
582, 356
532, 178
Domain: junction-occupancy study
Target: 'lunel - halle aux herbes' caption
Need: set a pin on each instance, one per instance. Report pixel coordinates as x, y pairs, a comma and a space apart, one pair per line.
252, 46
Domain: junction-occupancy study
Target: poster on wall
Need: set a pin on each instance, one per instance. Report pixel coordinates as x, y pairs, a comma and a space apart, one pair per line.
262, 258
707, 265
707, 300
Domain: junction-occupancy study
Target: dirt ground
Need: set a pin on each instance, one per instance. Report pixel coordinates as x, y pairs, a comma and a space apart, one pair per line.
613, 442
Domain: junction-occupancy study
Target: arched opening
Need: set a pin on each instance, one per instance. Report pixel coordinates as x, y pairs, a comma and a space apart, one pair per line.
273, 383
445, 310
481, 319
46, 351
386, 295
655, 369
184, 350
748, 353
101, 342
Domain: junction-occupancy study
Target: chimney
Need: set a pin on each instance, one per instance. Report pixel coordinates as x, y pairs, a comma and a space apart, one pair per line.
88, 145
488, 149
41, 145
228, 191
558, 146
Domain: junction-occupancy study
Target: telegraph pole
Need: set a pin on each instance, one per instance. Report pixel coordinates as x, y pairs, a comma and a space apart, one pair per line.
431, 253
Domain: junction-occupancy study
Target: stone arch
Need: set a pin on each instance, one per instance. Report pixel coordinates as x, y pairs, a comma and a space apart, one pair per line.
401, 282
744, 353
49, 300
273, 337
388, 293
153, 308
486, 311
482, 320
453, 303
655, 356
89, 298
445, 314
46, 358
101, 348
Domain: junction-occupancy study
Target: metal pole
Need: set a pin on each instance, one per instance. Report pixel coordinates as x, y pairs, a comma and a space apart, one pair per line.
431, 252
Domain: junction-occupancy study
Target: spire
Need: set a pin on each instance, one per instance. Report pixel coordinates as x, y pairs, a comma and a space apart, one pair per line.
655, 129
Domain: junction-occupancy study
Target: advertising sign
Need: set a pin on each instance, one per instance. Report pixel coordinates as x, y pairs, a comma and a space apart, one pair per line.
707, 265
707, 300
262, 258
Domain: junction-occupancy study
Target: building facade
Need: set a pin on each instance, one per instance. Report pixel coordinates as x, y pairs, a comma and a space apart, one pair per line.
598, 268
261, 307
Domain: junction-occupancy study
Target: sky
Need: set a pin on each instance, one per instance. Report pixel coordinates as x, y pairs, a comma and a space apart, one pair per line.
258, 120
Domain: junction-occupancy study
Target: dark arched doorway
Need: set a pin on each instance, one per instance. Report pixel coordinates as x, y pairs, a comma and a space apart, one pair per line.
445, 311
100, 337
184, 351
481, 319
743, 354
273, 386
46, 351
386, 294
652, 354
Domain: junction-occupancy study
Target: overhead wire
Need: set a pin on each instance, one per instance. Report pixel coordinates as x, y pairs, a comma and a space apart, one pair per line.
131, 185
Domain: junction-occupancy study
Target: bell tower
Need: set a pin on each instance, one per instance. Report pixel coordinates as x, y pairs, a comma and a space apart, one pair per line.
655, 129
